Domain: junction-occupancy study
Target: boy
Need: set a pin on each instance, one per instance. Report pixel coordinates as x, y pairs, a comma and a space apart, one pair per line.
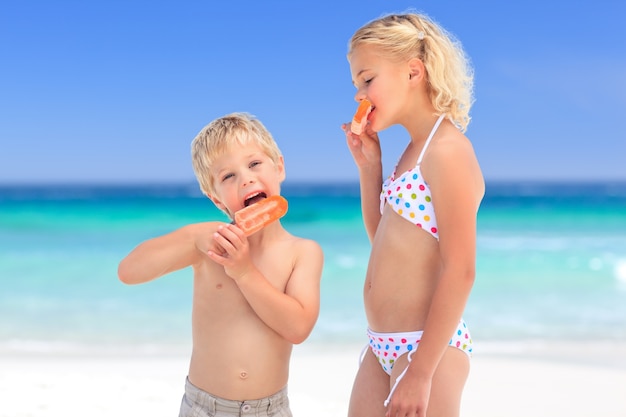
253, 297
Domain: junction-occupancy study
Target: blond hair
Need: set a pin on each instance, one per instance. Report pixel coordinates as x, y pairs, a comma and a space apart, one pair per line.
216, 138
450, 77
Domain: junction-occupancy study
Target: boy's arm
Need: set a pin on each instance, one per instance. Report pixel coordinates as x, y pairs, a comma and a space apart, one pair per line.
164, 254
291, 314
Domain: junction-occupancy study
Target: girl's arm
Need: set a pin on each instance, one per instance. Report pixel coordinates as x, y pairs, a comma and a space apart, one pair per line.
457, 189
370, 185
365, 150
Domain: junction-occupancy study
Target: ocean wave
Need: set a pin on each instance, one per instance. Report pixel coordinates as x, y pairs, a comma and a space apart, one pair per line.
620, 274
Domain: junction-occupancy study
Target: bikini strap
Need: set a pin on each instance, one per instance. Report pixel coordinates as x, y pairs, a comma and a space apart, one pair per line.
432, 133
395, 384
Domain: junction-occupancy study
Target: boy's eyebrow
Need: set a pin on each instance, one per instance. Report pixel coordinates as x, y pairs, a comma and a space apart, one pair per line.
221, 170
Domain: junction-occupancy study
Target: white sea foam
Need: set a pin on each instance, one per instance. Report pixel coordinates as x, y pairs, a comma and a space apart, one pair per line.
620, 273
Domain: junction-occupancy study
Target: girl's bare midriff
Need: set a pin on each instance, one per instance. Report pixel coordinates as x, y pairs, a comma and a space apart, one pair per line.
401, 277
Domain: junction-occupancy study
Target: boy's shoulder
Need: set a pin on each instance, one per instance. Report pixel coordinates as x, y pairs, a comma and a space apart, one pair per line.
308, 243
295, 239
305, 246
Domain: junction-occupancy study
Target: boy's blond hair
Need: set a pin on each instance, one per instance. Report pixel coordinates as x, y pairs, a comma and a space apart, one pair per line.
222, 133
401, 37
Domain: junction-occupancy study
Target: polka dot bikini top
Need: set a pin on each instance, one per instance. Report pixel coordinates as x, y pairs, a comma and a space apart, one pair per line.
409, 195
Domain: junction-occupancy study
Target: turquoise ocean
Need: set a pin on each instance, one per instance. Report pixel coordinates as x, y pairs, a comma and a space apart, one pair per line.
551, 265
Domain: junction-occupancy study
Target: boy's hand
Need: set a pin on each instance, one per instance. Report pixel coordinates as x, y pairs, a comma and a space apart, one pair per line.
204, 240
235, 257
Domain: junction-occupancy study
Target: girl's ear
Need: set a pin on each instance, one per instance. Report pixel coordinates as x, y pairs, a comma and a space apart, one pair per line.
417, 71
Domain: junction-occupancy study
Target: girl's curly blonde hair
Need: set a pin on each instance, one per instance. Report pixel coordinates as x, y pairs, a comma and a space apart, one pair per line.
450, 77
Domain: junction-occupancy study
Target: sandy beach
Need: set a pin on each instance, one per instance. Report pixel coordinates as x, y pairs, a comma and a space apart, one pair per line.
500, 385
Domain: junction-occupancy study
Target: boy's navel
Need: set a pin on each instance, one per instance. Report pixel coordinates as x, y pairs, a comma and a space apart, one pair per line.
243, 375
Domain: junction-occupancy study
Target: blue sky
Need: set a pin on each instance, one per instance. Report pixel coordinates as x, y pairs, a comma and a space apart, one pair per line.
114, 92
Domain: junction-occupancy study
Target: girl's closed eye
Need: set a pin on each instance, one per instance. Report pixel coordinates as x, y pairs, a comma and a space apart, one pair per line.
364, 83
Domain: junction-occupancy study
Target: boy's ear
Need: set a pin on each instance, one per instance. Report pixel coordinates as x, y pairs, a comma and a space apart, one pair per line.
217, 203
280, 165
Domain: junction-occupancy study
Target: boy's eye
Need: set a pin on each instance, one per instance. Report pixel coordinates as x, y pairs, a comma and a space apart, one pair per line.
227, 176
254, 163
369, 80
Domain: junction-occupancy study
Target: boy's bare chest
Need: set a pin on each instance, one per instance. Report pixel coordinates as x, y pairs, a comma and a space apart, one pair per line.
212, 283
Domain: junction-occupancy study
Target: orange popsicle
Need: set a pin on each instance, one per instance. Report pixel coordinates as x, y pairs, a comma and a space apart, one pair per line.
253, 218
360, 117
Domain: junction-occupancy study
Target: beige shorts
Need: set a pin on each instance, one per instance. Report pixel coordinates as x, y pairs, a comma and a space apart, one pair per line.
200, 403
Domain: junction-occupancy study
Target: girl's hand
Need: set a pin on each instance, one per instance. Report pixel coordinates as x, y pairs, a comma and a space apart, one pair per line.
365, 148
410, 397
235, 251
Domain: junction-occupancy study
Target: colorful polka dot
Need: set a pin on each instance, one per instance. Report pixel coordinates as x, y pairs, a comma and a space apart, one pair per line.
387, 349
409, 195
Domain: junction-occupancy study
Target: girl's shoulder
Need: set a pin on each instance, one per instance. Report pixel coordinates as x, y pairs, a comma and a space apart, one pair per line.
449, 147
452, 159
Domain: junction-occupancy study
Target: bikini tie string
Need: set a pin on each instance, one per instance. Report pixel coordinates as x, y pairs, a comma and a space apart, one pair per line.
395, 384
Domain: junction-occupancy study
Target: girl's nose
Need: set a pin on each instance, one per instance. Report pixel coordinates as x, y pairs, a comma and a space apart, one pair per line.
359, 95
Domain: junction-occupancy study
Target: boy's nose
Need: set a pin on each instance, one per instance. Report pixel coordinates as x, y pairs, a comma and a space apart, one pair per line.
247, 181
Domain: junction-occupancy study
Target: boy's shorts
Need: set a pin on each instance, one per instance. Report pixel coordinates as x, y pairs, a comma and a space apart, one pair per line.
200, 403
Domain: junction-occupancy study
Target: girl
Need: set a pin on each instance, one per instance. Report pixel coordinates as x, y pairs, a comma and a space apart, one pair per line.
422, 225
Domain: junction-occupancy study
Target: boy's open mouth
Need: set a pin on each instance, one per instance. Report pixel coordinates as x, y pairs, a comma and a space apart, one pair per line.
254, 199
